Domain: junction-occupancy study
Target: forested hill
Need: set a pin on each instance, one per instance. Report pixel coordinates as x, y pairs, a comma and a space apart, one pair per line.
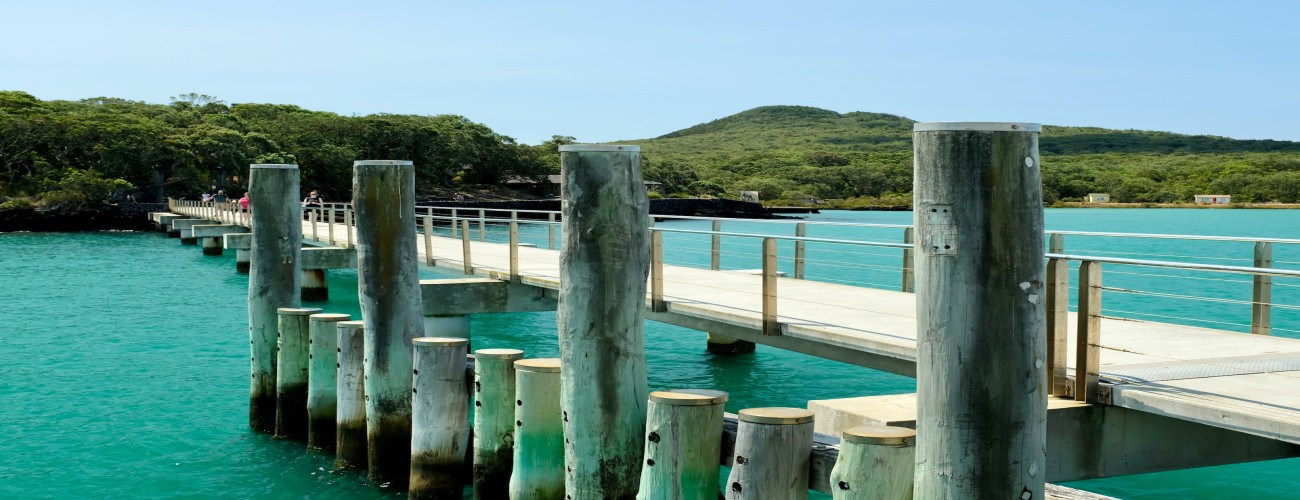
797, 152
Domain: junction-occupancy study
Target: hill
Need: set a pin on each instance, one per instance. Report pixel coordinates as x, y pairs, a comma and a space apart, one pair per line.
796, 153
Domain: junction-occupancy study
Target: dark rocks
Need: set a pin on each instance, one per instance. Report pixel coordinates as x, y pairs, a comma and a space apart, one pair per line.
128, 217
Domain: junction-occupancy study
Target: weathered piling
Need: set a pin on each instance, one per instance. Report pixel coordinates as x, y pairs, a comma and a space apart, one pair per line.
322, 380
291, 371
389, 292
274, 273
683, 441
212, 245
494, 421
981, 322
772, 456
539, 432
315, 288
439, 417
350, 419
875, 463
604, 262
243, 261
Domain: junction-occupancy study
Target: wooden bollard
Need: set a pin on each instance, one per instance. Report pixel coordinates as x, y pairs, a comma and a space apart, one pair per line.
875, 463
494, 421
322, 380
389, 292
439, 417
350, 422
981, 372
604, 263
773, 454
539, 432
273, 275
682, 443
291, 372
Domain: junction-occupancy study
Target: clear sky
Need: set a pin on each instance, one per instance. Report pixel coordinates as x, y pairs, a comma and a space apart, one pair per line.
604, 71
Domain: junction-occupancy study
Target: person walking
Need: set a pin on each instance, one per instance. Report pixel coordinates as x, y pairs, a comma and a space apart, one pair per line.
243, 210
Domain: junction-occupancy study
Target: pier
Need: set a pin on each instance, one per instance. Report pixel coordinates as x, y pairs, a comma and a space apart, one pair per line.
1126, 395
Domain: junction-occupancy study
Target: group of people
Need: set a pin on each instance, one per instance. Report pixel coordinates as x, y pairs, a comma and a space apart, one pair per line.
221, 200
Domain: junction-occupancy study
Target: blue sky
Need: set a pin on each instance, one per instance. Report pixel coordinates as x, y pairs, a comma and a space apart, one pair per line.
604, 71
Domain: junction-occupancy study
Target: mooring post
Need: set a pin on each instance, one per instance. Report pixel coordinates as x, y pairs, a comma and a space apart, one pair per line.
981, 320
494, 422
773, 454
315, 288
322, 380
389, 291
291, 371
683, 441
350, 421
539, 470
606, 214
274, 274
874, 463
439, 417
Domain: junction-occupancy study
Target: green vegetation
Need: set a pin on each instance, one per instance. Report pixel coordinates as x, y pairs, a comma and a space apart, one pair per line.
70, 154
792, 154
78, 153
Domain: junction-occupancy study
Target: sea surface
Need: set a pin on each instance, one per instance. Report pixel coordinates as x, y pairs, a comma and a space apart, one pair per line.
123, 363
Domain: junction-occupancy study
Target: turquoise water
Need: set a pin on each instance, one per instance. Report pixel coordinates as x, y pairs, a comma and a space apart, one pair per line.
124, 364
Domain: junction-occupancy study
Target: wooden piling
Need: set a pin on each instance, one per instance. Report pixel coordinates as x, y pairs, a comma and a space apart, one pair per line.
772, 455
539, 466
494, 421
273, 278
291, 372
350, 422
389, 293
981, 320
604, 263
322, 380
875, 463
682, 444
439, 417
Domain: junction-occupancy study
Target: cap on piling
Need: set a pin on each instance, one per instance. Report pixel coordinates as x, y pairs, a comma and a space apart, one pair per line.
584, 148
359, 163
976, 127
689, 397
499, 353
356, 323
439, 341
297, 311
776, 416
538, 365
330, 317
288, 166
881, 435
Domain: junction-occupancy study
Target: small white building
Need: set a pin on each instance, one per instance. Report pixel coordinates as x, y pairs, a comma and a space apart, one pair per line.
1213, 199
1098, 197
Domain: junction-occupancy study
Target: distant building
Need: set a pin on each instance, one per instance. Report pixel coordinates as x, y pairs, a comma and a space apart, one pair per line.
1098, 197
1213, 199
749, 196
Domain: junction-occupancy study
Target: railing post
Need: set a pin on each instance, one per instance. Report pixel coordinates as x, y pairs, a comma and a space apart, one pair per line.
909, 261
1261, 296
311, 214
1058, 312
455, 219
331, 226
770, 324
550, 231
428, 240
514, 250
800, 230
464, 246
1055, 243
1088, 340
347, 226
657, 303
482, 225
715, 257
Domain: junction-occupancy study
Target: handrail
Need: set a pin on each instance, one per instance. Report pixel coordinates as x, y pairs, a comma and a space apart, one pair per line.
789, 238
1266, 271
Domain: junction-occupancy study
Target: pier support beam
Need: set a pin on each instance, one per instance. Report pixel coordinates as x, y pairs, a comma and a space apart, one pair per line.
315, 288
604, 263
447, 326
211, 246
981, 321
243, 261
389, 292
273, 278
724, 345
